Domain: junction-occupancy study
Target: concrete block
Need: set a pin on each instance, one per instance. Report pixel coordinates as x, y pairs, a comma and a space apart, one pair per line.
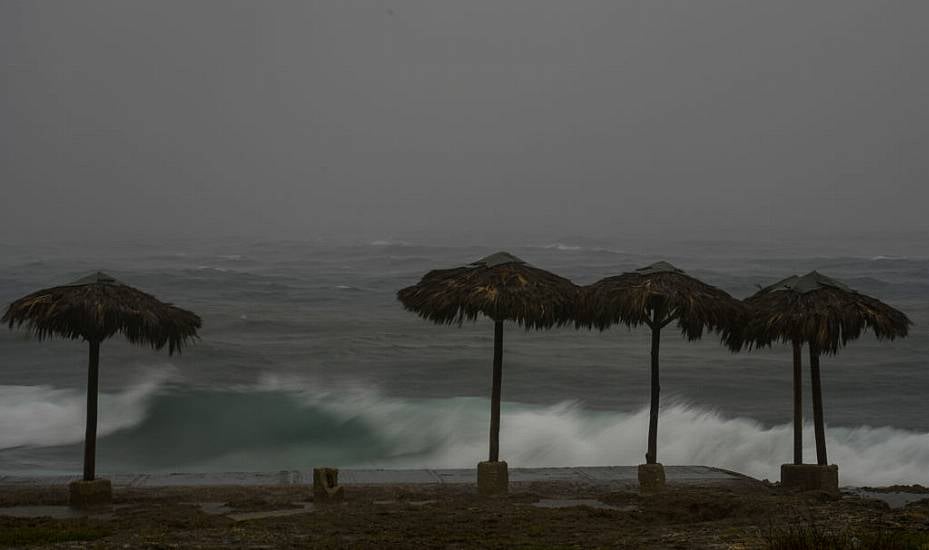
651, 478
493, 478
810, 477
326, 486
90, 494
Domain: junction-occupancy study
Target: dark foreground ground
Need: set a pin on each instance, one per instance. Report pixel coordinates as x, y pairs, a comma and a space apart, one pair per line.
739, 515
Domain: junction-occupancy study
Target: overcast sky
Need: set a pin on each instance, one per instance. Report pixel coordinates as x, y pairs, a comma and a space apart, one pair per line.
389, 118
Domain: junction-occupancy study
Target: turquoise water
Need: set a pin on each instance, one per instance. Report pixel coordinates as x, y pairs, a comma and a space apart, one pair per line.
306, 357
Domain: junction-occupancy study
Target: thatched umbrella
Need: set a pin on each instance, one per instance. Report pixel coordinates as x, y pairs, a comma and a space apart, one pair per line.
503, 288
656, 296
736, 342
93, 309
823, 313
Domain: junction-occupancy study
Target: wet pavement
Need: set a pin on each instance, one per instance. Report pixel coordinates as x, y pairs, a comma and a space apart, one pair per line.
611, 477
607, 476
54, 512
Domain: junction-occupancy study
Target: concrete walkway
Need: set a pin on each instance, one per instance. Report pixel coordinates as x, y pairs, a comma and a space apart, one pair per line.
611, 476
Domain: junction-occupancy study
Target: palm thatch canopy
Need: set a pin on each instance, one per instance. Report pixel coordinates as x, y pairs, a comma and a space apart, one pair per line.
819, 311
632, 299
500, 286
97, 307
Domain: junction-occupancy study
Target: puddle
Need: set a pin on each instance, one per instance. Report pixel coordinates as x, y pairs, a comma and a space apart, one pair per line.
214, 508
575, 502
306, 507
402, 502
54, 512
895, 499
220, 509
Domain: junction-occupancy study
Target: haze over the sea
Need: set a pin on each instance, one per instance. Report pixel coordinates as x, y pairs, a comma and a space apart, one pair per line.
604, 119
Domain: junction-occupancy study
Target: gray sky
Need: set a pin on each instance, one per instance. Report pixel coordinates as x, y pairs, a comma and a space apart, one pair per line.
402, 117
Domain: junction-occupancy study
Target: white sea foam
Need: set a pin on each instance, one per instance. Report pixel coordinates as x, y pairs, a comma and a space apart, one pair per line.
561, 246
452, 433
572, 248
567, 434
43, 416
374, 430
388, 242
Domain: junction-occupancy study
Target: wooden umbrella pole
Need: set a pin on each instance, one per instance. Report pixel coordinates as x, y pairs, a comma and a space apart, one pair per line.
651, 457
798, 402
819, 423
90, 435
495, 392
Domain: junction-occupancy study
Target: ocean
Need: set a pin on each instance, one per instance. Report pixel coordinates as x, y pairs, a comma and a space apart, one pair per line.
306, 358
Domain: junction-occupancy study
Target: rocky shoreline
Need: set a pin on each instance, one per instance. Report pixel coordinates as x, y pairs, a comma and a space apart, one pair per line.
746, 514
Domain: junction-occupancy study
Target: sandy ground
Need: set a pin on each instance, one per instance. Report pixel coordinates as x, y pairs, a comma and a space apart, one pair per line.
737, 515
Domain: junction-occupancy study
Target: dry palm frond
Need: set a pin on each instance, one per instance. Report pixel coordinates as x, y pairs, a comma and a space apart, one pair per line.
818, 311
632, 299
96, 308
501, 287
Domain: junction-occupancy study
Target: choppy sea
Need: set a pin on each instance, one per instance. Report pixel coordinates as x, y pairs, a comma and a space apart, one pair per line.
307, 358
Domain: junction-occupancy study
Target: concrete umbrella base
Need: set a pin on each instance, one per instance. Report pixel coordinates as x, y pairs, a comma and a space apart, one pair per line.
90, 494
651, 478
810, 477
493, 478
326, 486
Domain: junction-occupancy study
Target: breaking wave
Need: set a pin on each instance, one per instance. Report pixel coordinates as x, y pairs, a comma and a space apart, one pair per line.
389, 242
562, 246
288, 424
38, 416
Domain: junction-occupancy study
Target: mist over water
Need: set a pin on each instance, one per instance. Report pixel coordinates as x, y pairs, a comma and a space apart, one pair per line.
307, 358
